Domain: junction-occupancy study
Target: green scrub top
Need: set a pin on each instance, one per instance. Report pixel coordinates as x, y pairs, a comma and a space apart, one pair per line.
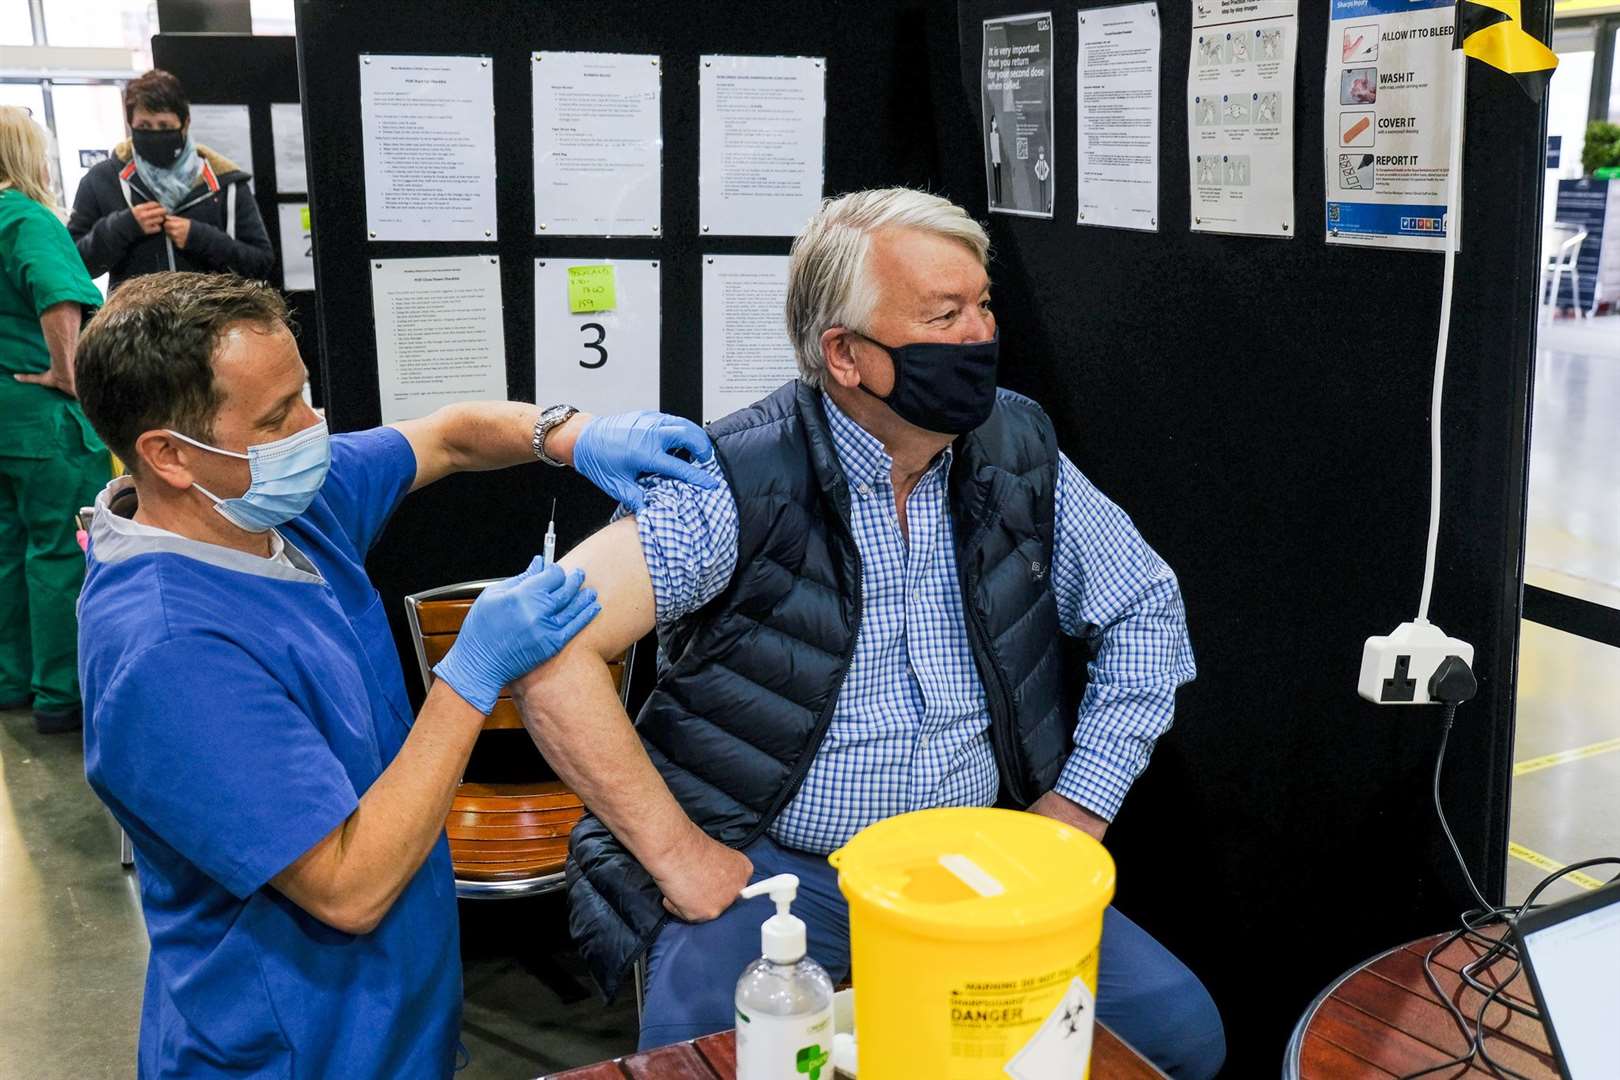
39, 267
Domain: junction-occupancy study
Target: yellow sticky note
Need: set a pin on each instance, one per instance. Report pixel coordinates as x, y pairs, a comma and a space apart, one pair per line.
303, 217
591, 288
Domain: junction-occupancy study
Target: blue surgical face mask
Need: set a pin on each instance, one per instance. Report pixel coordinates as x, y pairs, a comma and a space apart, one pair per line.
287, 474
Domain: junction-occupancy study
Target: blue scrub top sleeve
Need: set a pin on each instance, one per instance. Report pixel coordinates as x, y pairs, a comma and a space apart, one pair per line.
371, 473
200, 743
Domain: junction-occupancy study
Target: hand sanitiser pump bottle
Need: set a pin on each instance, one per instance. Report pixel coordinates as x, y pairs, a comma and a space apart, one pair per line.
784, 999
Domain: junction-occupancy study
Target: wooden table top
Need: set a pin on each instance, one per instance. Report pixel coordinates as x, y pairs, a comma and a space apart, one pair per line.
714, 1057
1383, 1020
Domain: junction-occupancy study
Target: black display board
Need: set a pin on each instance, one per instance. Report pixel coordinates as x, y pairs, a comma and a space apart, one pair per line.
241, 69
1260, 407
479, 525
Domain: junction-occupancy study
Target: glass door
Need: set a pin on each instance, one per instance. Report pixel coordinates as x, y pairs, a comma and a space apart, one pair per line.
1566, 786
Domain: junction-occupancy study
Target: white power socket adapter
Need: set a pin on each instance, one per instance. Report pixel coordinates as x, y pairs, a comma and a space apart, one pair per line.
1395, 670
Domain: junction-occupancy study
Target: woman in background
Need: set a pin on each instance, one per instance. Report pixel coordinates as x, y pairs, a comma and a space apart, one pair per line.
162, 202
51, 462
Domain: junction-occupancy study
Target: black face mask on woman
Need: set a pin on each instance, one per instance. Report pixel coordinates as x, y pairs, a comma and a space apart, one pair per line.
161, 148
943, 386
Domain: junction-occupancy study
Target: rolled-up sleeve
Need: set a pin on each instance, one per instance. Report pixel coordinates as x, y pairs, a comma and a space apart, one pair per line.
1115, 591
689, 539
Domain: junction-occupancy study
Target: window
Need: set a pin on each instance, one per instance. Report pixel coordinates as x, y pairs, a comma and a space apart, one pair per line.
16, 25
1569, 94
1614, 85
26, 94
273, 17
89, 123
115, 24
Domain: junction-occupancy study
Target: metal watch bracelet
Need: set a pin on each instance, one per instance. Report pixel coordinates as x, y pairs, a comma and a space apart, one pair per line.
552, 417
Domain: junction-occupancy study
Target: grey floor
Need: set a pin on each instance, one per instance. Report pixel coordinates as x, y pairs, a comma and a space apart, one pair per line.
72, 944
73, 947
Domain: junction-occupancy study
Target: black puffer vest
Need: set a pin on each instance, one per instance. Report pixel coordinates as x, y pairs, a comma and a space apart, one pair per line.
751, 679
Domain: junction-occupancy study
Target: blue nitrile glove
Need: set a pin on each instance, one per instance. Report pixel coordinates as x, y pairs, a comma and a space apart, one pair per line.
614, 451
515, 626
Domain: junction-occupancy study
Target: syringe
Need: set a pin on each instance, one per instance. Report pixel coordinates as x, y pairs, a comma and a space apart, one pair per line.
551, 535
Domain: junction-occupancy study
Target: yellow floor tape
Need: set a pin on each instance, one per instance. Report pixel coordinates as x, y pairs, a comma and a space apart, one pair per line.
1541, 862
1565, 757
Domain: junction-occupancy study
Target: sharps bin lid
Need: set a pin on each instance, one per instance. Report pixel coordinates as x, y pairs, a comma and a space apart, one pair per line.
977, 873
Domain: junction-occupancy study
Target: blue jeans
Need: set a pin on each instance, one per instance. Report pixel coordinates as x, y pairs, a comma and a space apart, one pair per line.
1145, 995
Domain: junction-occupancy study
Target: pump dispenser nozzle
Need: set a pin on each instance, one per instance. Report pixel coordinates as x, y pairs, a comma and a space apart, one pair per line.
782, 935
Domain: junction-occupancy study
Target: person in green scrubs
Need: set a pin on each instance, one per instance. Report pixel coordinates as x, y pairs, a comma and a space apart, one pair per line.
51, 461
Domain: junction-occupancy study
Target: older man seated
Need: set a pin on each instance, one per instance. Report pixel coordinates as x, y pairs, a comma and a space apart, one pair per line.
861, 621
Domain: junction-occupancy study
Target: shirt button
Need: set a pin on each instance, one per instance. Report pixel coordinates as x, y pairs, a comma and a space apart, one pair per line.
864, 490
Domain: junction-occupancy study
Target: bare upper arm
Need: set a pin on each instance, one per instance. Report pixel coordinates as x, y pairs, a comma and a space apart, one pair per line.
426, 436
616, 568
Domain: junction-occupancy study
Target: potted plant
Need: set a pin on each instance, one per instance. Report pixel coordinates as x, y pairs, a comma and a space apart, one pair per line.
1600, 157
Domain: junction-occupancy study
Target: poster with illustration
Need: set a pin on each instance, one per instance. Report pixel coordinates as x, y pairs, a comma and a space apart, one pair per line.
1020, 157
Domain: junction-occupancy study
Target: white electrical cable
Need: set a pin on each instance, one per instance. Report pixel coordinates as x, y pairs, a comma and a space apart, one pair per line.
1453, 228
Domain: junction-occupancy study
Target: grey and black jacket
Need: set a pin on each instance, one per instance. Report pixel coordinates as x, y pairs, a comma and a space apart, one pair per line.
227, 233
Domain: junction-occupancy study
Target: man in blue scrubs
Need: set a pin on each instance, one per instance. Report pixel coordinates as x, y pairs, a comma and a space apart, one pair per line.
245, 713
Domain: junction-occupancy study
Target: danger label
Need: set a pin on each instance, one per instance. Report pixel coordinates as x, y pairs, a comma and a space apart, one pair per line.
994, 1018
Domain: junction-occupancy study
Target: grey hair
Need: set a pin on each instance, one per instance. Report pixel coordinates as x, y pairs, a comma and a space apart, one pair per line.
828, 284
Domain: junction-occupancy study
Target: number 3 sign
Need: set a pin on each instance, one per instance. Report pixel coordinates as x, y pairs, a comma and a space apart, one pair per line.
598, 361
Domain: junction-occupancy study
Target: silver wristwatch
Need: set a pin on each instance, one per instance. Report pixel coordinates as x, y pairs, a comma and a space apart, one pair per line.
553, 416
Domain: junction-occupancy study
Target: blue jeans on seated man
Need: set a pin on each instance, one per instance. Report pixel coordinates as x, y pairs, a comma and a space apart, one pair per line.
1146, 996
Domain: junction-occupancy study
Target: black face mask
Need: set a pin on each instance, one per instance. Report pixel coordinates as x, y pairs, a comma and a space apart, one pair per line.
943, 386
160, 148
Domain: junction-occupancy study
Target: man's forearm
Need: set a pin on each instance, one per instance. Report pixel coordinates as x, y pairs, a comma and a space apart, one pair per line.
477, 436
498, 434
573, 713
353, 876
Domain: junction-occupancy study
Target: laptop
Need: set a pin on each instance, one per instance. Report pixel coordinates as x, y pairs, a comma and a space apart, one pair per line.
1571, 951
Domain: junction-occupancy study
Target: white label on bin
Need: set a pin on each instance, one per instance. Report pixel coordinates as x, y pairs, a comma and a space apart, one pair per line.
1061, 1049
992, 1018
972, 875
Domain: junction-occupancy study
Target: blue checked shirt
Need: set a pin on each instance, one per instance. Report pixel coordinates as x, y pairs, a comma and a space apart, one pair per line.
911, 727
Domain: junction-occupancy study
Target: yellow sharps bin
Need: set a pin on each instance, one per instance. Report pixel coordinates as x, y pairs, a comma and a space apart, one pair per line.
974, 937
